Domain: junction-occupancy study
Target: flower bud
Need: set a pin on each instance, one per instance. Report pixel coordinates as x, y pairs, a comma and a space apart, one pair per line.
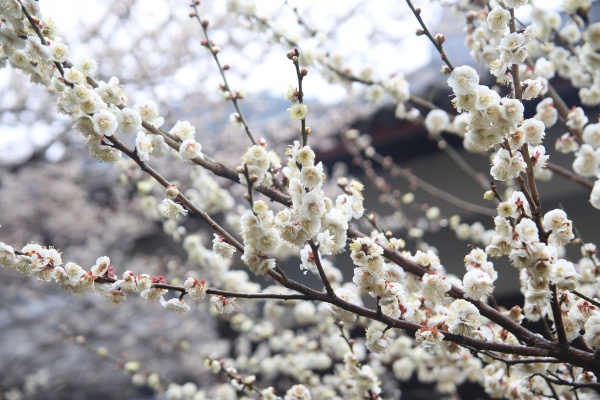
420, 32
204, 23
303, 71
172, 191
489, 195
440, 39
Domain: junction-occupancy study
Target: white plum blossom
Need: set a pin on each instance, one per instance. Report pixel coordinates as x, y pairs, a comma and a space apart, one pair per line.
430, 339
477, 284
298, 111
196, 289
505, 166
183, 130
85, 64
190, 149
129, 121
464, 318
515, 3
376, 341
221, 247
498, 19
463, 80
592, 331
148, 110
223, 305
298, 392
144, 145
59, 52
105, 123
176, 305
346, 294
172, 210
74, 76
595, 195
437, 121
591, 135
534, 131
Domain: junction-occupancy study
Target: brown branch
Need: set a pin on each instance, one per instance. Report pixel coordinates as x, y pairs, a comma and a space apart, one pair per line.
586, 298
438, 46
322, 274
563, 382
558, 322
570, 175
213, 51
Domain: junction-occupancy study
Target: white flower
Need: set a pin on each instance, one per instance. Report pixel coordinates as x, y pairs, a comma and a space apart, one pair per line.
101, 266
498, 19
477, 284
376, 341
307, 257
171, 209
223, 305
515, 3
534, 131
595, 195
111, 92
505, 167
190, 149
313, 205
564, 275
437, 121
291, 94
196, 289
7, 255
527, 230
311, 177
59, 52
464, 318
85, 64
576, 118
298, 392
176, 305
586, 161
592, 331
533, 88
104, 153
258, 264
222, 248
434, 287
129, 121
375, 94
463, 80
298, 111
430, 339
105, 123
348, 295
512, 111
144, 145
148, 111
183, 130
591, 135
74, 76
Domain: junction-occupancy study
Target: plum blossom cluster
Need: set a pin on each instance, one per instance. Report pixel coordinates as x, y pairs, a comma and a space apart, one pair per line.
46, 264
452, 323
312, 212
